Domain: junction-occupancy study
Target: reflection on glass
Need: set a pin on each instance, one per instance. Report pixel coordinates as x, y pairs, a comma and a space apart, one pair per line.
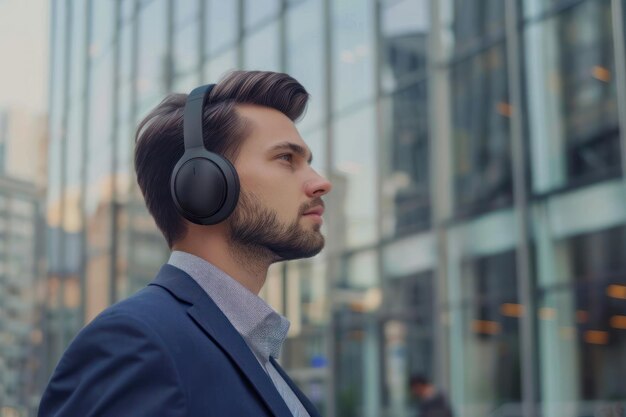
77, 50
406, 186
316, 141
151, 62
73, 175
222, 24
220, 65
99, 188
185, 11
261, 49
481, 142
103, 28
581, 310
469, 24
58, 68
408, 336
354, 175
358, 354
582, 322
257, 11
126, 54
128, 10
572, 105
352, 52
487, 376
186, 52
405, 26
313, 293
186, 82
534, 8
307, 64
362, 273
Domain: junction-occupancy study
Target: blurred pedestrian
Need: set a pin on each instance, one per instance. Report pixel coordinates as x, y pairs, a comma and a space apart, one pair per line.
228, 180
431, 401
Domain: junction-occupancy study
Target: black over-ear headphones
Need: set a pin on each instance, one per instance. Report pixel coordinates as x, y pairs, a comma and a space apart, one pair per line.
204, 185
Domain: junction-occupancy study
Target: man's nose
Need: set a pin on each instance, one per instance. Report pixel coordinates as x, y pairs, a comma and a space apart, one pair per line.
318, 186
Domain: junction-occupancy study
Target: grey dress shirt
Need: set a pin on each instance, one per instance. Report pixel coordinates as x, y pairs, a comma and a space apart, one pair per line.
263, 329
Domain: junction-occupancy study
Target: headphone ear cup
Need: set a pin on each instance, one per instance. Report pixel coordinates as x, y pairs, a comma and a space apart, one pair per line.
204, 187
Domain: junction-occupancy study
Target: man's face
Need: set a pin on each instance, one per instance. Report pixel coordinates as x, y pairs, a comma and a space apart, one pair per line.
280, 207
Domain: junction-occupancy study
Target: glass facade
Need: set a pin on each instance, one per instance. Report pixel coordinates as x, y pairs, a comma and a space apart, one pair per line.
476, 229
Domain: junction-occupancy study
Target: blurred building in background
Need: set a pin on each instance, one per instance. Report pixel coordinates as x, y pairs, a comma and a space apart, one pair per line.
477, 228
22, 231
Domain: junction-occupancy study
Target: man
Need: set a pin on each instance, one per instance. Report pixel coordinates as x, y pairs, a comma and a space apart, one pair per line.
432, 403
232, 192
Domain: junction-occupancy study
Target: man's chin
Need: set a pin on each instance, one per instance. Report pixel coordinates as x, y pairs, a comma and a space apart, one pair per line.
314, 246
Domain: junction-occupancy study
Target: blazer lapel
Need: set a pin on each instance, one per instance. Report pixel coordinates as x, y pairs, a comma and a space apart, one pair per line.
210, 318
310, 408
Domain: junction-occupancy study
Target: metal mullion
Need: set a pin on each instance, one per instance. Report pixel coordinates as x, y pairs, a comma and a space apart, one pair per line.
375, 321
240, 33
202, 29
441, 197
63, 138
169, 48
620, 76
46, 307
85, 155
282, 34
133, 109
333, 258
525, 286
113, 231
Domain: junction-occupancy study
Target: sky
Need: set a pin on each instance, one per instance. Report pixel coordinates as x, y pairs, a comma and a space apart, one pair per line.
24, 45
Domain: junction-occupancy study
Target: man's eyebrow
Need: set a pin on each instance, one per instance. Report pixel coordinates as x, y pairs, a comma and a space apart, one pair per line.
294, 148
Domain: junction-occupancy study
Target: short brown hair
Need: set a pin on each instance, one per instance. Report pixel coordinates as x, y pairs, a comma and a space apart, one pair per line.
159, 138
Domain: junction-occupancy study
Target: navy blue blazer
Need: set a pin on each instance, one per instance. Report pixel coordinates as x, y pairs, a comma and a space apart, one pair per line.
166, 351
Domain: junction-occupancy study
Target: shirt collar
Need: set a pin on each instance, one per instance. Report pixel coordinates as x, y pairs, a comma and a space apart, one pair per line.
263, 329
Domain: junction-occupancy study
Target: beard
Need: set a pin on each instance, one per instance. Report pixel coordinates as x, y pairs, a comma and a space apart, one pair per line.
254, 227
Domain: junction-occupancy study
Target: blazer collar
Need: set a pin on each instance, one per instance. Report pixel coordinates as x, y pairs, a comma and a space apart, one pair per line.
310, 408
210, 318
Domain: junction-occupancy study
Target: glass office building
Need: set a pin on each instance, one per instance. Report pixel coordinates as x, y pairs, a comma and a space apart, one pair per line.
22, 226
477, 228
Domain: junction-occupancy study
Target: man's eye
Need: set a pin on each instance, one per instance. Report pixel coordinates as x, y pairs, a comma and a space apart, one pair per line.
286, 157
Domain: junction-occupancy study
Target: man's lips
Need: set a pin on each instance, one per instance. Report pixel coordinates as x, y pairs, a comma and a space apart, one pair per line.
318, 210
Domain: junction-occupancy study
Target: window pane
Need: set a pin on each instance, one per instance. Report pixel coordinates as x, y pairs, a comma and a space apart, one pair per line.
151, 61
352, 52
487, 375
304, 23
469, 24
74, 165
582, 317
481, 142
406, 181
78, 50
405, 27
103, 28
186, 52
316, 141
354, 175
99, 187
261, 49
408, 335
257, 11
126, 54
572, 105
185, 11
222, 24
221, 64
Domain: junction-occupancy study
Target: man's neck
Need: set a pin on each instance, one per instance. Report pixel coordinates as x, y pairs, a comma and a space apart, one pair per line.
245, 265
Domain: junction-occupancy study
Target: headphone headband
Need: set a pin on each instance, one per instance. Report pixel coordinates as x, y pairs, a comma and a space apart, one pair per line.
194, 109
